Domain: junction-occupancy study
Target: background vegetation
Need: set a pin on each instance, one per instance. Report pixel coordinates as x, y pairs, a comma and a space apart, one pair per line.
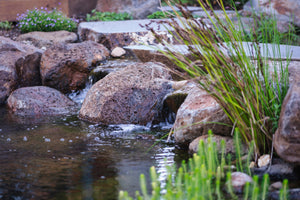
44, 20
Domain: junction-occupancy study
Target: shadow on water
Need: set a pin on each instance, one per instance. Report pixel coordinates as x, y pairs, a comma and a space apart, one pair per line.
65, 158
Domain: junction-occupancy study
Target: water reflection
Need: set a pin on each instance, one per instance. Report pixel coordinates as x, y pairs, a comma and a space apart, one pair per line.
65, 158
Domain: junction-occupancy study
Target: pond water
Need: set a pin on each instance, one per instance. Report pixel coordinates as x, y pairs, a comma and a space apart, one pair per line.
66, 158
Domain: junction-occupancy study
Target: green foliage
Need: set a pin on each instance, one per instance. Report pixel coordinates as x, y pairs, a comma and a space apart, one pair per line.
5, 25
203, 177
107, 16
248, 93
229, 4
264, 29
44, 20
161, 15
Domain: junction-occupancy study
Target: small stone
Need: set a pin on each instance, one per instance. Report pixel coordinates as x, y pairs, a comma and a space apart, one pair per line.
275, 186
25, 139
264, 160
118, 52
252, 165
239, 180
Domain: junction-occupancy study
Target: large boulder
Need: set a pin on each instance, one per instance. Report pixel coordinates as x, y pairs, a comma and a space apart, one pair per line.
198, 114
287, 136
39, 100
137, 8
66, 66
133, 95
47, 39
16, 64
284, 10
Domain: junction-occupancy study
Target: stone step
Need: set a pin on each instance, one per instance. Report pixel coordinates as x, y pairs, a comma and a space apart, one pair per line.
124, 33
119, 33
150, 52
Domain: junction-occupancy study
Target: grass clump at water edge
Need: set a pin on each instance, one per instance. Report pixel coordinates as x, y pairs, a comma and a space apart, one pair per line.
242, 84
204, 176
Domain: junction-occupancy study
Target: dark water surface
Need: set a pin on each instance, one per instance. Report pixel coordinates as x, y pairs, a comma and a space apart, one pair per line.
65, 158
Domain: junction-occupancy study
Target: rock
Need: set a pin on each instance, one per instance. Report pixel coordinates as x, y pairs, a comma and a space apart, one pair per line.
16, 57
39, 100
66, 66
118, 52
174, 100
133, 95
287, 136
284, 10
193, 147
275, 186
47, 39
110, 66
239, 180
121, 33
293, 194
137, 8
28, 70
264, 160
279, 170
197, 114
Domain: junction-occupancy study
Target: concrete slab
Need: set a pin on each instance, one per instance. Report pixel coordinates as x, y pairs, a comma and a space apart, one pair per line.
120, 33
190, 8
150, 52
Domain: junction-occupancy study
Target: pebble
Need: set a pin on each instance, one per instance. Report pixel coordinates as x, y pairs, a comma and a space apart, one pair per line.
239, 180
62, 139
47, 140
70, 141
275, 186
25, 138
118, 52
8, 139
264, 160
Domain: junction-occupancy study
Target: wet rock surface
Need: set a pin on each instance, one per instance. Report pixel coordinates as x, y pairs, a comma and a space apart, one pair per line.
39, 100
47, 39
66, 66
133, 95
198, 114
278, 170
287, 136
14, 54
110, 66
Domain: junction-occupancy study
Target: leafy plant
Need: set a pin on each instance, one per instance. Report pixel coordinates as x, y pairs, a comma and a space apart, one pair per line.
44, 20
247, 92
107, 16
5, 25
203, 177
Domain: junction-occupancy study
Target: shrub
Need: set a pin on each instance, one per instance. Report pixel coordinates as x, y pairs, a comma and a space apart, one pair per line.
5, 25
107, 16
43, 20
